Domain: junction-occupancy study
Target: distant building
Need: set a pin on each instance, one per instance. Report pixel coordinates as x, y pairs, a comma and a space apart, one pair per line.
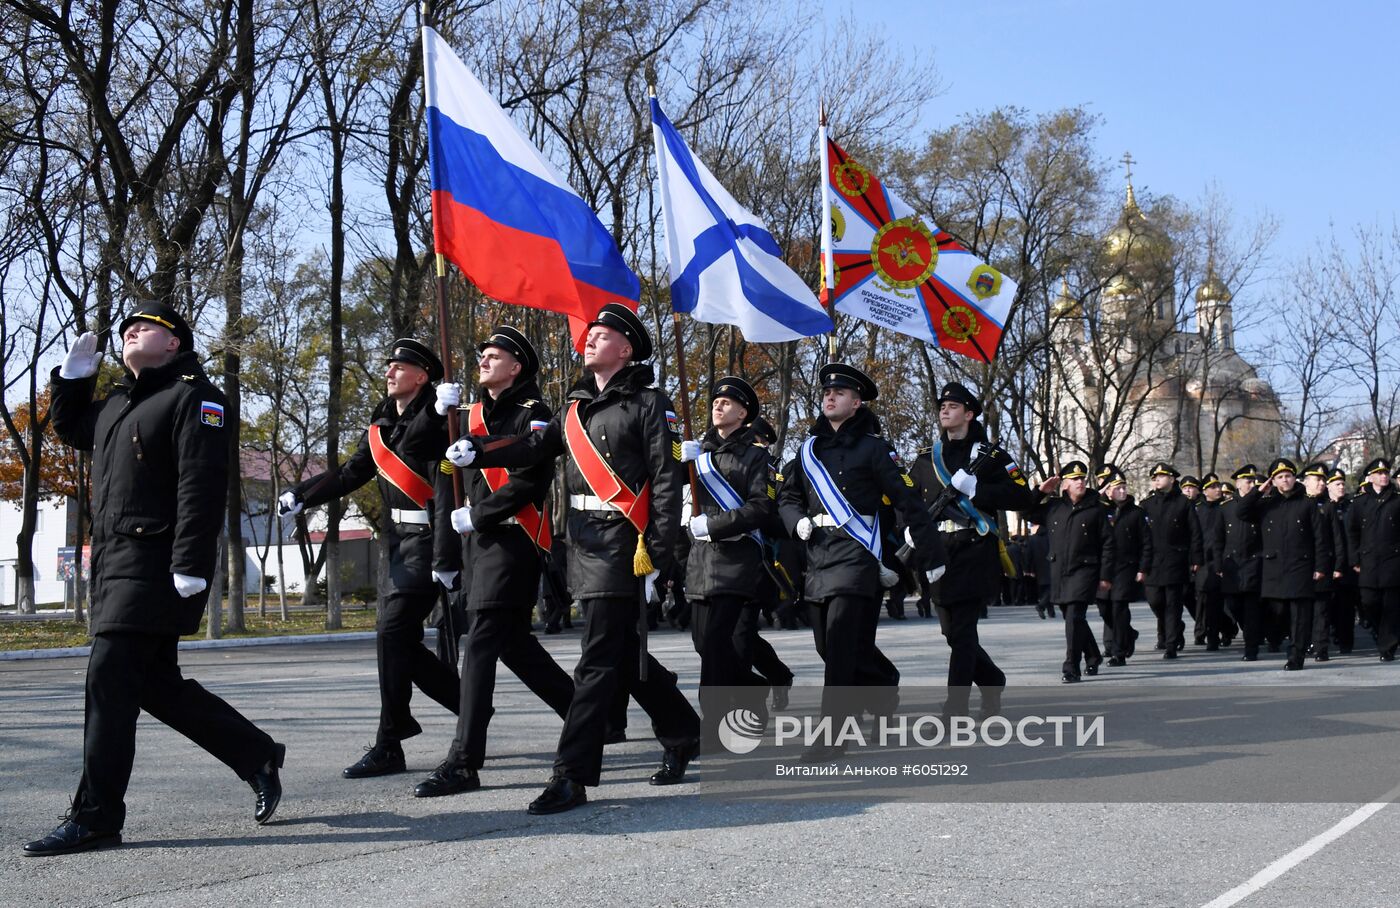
1135, 383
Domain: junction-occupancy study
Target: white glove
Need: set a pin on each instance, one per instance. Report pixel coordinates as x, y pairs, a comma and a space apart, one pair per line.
888, 578
700, 527
447, 578
650, 581
82, 359
289, 505
461, 453
449, 397
909, 538
804, 529
690, 450
462, 520
933, 575
964, 482
187, 586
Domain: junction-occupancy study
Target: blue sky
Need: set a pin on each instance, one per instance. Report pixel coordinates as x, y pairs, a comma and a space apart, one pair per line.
1289, 107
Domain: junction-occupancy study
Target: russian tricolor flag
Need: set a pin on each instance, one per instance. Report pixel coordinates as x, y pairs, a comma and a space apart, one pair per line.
500, 211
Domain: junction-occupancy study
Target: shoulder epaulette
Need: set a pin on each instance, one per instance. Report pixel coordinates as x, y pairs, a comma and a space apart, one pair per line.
528, 404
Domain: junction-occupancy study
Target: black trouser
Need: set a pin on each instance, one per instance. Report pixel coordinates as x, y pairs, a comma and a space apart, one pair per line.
608, 663
1249, 612
1384, 605
843, 628
501, 634
405, 662
723, 667
1119, 635
1210, 615
127, 673
1300, 633
1166, 603
1044, 603
968, 662
1343, 618
1079, 640
1322, 623
758, 652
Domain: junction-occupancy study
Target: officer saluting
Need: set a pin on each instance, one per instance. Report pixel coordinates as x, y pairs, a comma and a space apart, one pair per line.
624, 485
968, 530
159, 475
1373, 532
725, 570
831, 500
507, 527
419, 553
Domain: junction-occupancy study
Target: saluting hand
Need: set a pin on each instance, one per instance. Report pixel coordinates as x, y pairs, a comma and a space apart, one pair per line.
1050, 485
82, 359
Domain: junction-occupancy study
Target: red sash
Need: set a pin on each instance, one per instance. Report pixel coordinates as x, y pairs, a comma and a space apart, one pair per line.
534, 521
635, 506
392, 468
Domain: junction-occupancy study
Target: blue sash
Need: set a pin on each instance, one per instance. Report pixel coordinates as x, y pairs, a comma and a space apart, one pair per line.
979, 521
719, 488
835, 504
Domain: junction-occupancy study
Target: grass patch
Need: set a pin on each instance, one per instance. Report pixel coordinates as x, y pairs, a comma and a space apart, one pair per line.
54, 633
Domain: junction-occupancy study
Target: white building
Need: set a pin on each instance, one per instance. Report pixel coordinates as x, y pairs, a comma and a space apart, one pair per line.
50, 535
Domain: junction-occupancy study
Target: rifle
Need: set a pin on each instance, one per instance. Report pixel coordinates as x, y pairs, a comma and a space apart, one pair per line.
947, 496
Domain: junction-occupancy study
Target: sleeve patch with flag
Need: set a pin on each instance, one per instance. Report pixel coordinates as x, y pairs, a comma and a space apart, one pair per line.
671, 422
538, 424
1015, 472
211, 414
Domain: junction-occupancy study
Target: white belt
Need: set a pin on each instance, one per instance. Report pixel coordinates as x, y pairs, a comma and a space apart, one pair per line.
591, 503
417, 517
826, 520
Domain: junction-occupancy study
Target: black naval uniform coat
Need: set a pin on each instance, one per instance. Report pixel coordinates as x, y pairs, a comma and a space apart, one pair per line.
1238, 546
1294, 539
504, 561
159, 484
862, 465
974, 563
1132, 549
633, 426
415, 550
730, 563
1176, 537
1373, 532
1207, 578
1082, 546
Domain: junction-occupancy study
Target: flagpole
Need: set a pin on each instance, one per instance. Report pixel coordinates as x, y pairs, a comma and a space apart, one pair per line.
688, 428
444, 345
828, 256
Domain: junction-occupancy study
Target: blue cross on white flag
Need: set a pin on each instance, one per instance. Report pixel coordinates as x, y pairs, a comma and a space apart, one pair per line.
726, 268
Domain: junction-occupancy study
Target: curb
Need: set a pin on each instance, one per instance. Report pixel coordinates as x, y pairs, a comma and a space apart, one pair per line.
71, 651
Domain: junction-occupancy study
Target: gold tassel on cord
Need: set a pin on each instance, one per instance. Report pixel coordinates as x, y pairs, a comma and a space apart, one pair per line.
1007, 566
641, 559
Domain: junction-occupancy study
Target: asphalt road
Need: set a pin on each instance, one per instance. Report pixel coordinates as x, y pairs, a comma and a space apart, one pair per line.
190, 839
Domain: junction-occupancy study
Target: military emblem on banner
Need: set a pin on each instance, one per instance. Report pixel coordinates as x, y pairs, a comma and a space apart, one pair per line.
960, 323
904, 253
984, 282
